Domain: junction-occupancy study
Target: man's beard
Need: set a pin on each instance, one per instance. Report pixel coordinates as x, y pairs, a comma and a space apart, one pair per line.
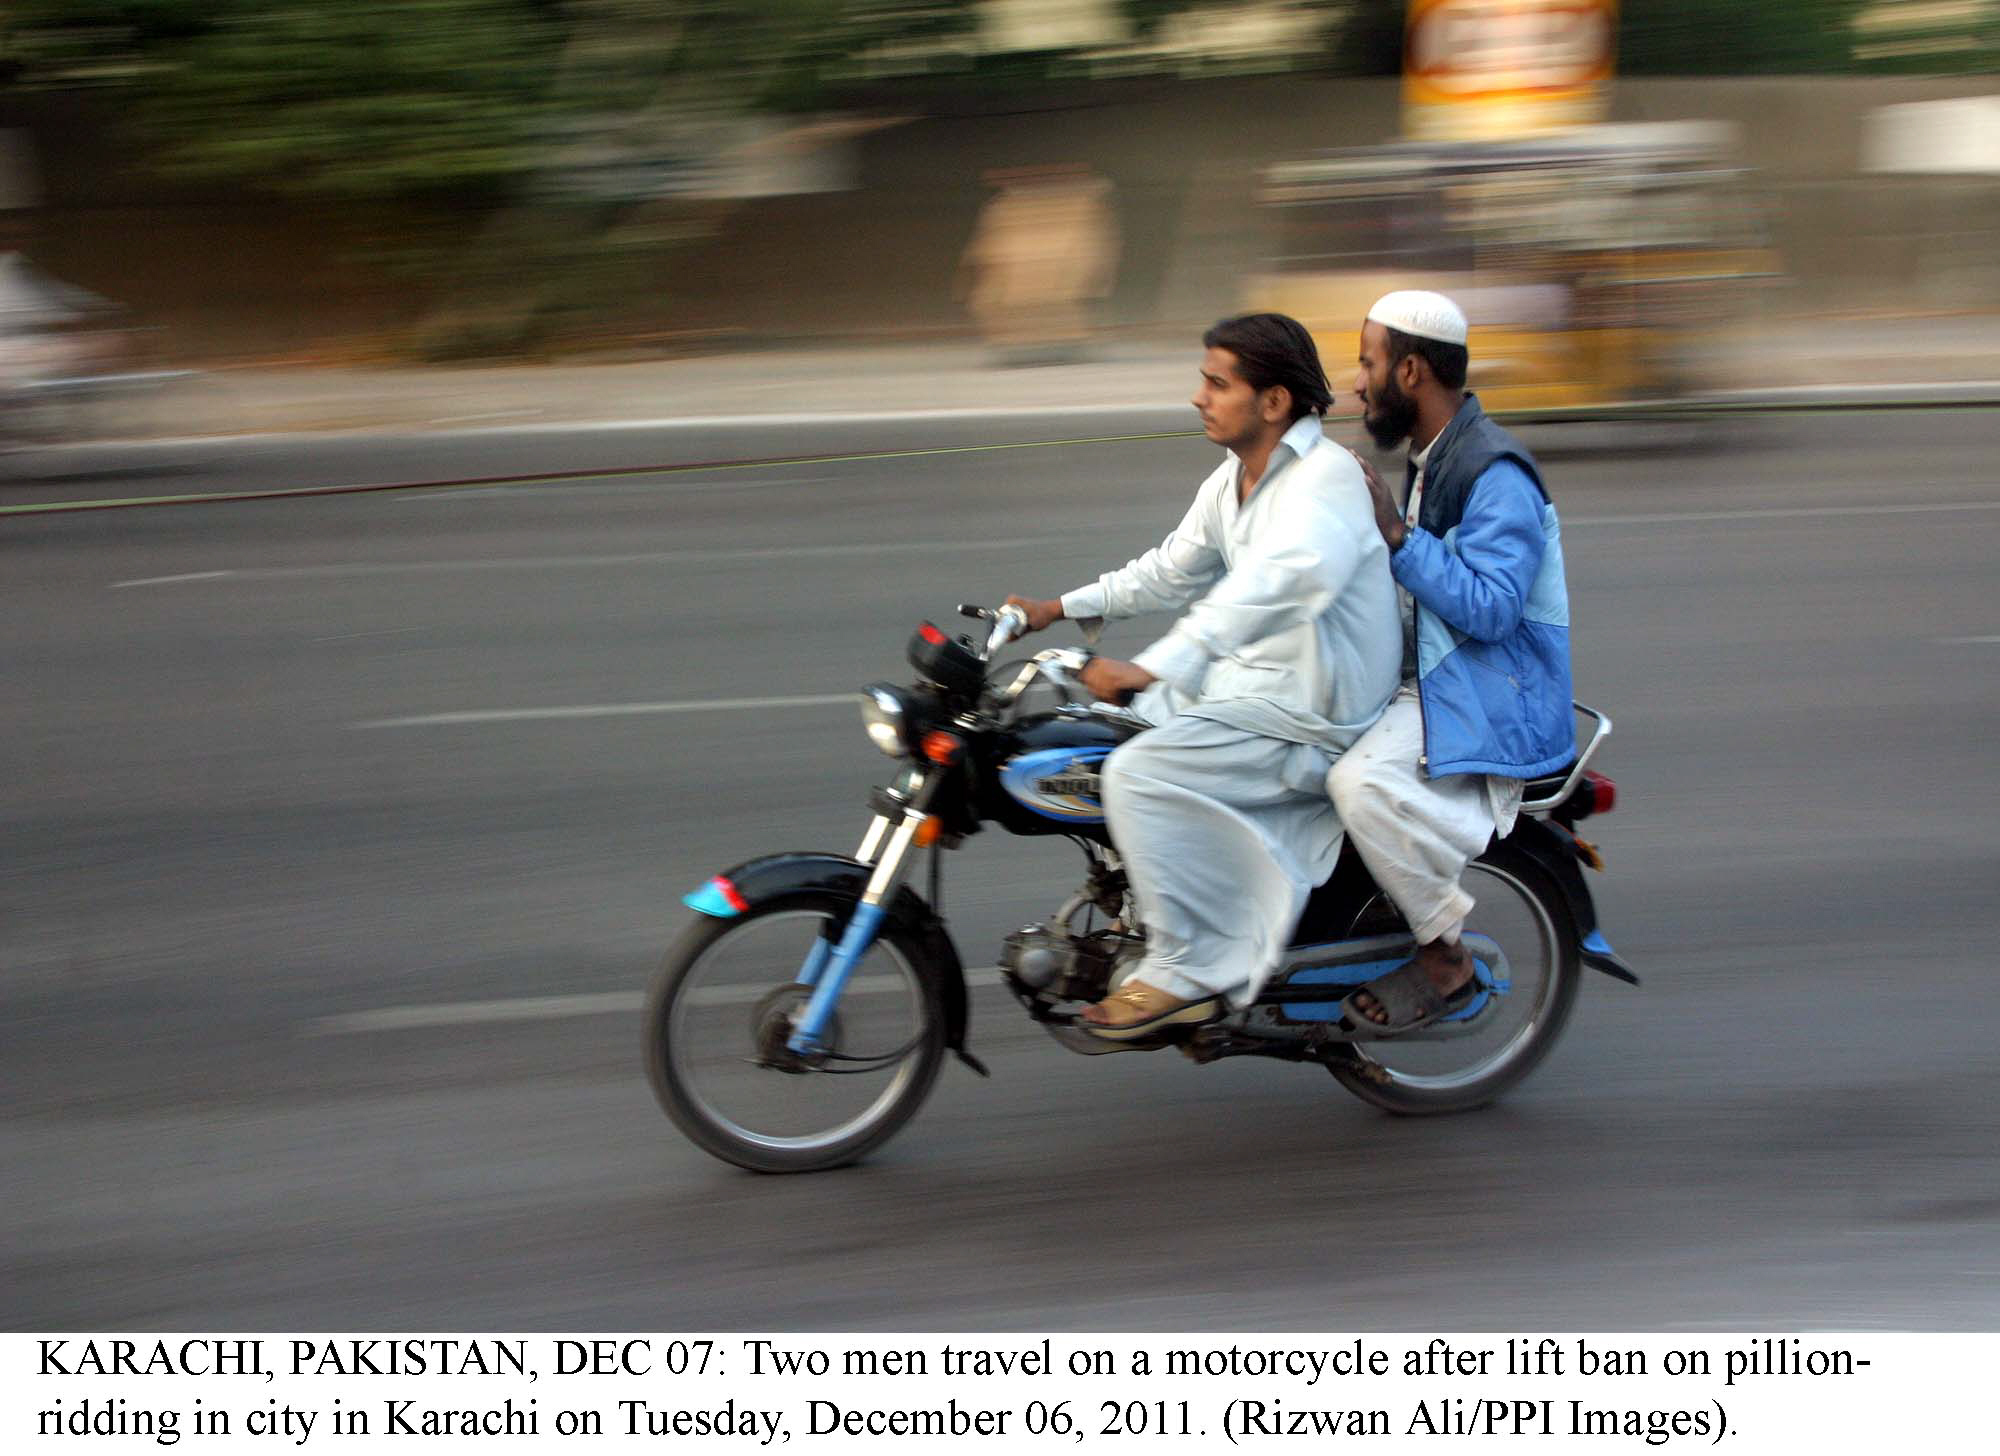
1394, 416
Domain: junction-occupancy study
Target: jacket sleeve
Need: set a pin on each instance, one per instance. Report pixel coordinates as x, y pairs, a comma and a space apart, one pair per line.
1166, 578
1482, 588
1303, 557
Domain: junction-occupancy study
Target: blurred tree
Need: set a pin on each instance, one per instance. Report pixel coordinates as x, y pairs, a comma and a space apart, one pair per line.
1728, 37
538, 148
1744, 37
546, 154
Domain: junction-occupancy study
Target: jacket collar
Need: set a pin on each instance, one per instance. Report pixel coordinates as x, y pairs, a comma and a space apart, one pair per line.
1448, 438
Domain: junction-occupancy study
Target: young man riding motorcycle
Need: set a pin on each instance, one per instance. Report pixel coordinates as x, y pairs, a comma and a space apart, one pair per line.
1289, 651
1476, 549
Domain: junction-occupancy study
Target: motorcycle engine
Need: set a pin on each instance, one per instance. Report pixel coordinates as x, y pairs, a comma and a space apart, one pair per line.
1046, 961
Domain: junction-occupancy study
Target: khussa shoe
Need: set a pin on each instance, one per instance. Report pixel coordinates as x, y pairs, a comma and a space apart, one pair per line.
1136, 1009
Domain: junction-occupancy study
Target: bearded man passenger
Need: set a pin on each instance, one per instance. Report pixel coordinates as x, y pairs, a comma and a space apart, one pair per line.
1287, 652
1484, 704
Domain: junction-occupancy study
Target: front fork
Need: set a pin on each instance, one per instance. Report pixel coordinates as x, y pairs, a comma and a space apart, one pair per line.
827, 966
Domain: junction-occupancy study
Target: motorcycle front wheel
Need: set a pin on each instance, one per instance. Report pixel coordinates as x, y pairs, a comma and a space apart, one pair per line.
1518, 906
726, 1000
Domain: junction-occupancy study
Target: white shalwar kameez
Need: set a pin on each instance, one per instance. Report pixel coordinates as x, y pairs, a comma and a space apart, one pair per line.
1220, 812
1415, 833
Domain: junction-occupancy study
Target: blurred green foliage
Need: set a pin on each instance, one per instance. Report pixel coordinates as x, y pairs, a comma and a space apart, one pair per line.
412, 98
416, 98
542, 155
1729, 37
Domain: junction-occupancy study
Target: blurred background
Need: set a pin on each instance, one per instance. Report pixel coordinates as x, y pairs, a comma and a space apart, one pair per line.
1636, 198
343, 832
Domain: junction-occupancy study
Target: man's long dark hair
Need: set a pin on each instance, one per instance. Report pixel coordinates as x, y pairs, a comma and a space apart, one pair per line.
1270, 350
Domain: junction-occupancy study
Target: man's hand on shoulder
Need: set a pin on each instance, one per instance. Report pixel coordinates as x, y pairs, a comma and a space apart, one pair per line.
1040, 613
1111, 681
1388, 515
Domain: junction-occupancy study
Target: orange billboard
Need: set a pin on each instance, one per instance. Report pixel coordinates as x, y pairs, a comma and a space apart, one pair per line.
1486, 70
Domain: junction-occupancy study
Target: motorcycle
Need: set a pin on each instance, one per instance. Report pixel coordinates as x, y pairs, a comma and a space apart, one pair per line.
804, 1015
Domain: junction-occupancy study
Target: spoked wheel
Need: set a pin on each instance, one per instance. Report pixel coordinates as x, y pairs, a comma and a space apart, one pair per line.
1520, 908
723, 1007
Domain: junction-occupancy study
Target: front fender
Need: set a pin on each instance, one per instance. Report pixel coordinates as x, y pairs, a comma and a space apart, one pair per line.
1552, 849
777, 877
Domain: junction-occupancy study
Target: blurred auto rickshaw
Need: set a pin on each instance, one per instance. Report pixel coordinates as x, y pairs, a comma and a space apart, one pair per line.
1594, 264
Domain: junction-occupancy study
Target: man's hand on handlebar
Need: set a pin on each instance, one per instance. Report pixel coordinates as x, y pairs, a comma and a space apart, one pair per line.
1040, 613
1111, 681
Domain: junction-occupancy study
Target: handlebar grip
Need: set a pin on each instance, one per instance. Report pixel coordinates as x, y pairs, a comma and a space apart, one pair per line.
977, 613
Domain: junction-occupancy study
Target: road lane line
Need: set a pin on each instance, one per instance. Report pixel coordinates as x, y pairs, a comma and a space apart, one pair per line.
1968, 641
172, 580
555, 1008
868, 548
1780, 513
608, 710
642, 487
474, 1013
558, 563
384, 632
236, 497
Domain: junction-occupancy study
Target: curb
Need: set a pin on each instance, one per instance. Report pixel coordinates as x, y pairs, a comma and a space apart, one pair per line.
1793, 400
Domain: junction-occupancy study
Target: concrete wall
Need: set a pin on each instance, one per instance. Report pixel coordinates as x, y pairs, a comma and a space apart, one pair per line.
1186, 161
232, 278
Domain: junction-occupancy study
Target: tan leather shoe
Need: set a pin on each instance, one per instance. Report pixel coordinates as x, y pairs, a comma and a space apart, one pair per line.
1135, 1009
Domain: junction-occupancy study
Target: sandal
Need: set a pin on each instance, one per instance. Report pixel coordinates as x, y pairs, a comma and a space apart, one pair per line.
1408, 998
1136, 1009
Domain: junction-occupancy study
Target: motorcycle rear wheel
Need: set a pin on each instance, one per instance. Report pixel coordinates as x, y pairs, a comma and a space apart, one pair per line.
1521, 908
719, 1011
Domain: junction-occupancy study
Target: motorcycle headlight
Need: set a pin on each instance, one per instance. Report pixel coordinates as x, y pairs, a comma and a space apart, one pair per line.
887, 720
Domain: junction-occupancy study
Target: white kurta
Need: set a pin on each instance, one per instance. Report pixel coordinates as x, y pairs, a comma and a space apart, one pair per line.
1415, 833
1220, 813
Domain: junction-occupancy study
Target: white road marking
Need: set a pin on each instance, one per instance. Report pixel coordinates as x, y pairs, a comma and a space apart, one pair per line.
1968, 641
1781, 513
634, 558
394, 433
610, 710
1178, 411
555, 1008
871, 548
474, 1013
598, 488
171, 580
383, 632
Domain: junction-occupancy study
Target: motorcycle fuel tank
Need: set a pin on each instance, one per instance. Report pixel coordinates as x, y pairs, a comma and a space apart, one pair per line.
1058, 783
1051, 774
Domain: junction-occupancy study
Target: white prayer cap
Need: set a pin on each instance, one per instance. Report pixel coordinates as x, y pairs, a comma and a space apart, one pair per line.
1425, 315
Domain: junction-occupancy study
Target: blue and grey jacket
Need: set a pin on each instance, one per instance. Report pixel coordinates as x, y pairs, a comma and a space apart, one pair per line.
1484, 565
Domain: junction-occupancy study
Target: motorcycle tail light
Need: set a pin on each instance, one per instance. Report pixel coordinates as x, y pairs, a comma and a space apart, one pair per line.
1603, 792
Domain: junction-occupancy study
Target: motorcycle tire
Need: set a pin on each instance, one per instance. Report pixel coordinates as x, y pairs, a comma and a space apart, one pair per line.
718, 1132
1367, 1069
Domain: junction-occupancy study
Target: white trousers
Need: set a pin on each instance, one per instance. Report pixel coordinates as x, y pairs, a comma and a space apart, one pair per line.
1417, 834
1224, 834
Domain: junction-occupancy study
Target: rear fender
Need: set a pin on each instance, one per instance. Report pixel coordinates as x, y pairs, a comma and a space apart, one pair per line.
778, 877
1552, 849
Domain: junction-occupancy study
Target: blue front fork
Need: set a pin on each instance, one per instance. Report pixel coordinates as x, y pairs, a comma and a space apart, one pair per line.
827, 966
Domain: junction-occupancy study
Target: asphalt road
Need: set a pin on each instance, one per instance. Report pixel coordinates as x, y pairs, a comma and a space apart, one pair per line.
308, 1023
